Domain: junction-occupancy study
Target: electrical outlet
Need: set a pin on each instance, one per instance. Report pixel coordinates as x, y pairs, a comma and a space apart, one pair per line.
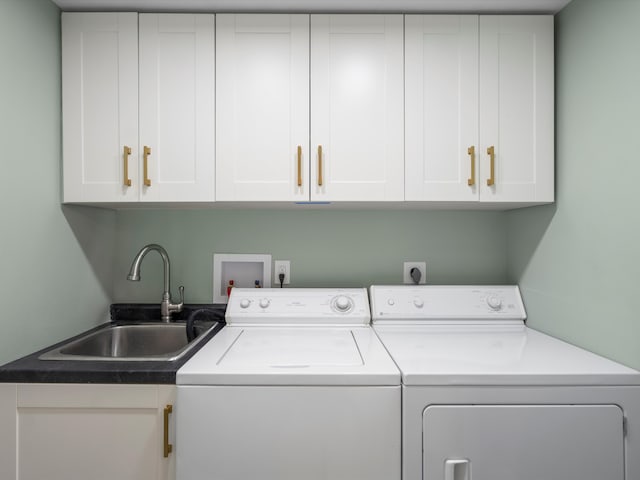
406, 276
282, 266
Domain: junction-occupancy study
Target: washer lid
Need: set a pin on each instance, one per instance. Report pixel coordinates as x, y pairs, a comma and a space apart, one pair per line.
285, 355
495, 355
293, 347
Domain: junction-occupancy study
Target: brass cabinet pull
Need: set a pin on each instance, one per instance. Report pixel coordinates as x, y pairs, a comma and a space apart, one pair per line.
168, 448
472, 154
127, 180
492, 166
299, 166
146, 153
319, 165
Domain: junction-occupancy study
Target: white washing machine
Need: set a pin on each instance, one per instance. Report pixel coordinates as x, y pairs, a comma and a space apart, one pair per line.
486, 398
297, 386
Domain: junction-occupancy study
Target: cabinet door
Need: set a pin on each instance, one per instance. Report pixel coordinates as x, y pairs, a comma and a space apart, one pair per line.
100, 106
523, 442
177, 107
441, 107
517, 108
357, 108
262, 116
101, 432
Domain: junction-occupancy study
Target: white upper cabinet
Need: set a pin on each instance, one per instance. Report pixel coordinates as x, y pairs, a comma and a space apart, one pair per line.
262, 115
100, 106
308, 108
177, 110
479, 108
357, 118
517, 108
441, 107
138, 107
286, 135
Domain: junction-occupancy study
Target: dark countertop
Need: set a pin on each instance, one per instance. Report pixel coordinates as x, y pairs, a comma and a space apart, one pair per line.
30, 369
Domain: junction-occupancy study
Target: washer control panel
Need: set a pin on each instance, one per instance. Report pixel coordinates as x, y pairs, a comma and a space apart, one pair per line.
447, 303
302, 306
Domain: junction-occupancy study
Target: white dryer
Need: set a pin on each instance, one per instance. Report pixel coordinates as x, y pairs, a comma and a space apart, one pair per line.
486, 398
296, 386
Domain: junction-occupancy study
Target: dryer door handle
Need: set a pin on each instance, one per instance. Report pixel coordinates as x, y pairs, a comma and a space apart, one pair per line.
457, 469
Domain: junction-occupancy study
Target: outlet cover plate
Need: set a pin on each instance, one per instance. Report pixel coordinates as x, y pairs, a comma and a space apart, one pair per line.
281, 266
406, 275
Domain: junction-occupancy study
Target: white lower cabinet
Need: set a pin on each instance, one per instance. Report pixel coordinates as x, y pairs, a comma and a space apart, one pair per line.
80, 432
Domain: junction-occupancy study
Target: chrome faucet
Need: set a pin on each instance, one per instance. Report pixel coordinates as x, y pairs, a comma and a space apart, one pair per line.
166, 307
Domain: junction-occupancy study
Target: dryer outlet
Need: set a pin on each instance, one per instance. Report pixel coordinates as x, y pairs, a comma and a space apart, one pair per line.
282, 266
406, 275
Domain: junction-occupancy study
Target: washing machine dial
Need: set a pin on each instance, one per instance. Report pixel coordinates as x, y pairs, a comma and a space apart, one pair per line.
494, 302
342, 303
244, 303
418, 302
264, 302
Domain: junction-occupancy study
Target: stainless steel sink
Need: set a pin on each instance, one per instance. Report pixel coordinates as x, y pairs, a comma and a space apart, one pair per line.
139, 342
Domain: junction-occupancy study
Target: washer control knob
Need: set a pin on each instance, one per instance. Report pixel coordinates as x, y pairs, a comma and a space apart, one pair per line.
244, 303
494, 302
418, 302
264, 302
391, 302
343, 303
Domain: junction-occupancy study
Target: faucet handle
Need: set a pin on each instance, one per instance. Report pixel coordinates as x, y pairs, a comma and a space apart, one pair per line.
181, 290
176, 307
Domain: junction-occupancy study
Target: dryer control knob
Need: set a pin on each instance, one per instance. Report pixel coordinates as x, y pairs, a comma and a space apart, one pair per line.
494, 302
244, 303
418, 302
264, 302
391, 302
343, 303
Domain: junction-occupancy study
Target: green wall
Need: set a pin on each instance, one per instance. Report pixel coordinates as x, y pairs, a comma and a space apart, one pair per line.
55, 263
578, 261
66, 264
349, 248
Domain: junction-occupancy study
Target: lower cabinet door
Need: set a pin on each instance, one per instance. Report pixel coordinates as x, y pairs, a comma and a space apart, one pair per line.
97, 432
523, 442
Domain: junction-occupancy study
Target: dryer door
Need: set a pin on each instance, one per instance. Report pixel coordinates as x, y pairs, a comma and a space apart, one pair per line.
523, 442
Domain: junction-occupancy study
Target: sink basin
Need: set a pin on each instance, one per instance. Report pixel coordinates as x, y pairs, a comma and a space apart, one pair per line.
139, 342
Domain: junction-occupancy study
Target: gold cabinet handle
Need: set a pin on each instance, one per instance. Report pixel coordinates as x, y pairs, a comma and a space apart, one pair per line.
472, 155
319, 165
492, 166
299, 166
145, 165
168, 448
127, 152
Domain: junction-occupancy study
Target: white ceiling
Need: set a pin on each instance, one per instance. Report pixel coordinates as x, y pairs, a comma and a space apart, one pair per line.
405, 6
